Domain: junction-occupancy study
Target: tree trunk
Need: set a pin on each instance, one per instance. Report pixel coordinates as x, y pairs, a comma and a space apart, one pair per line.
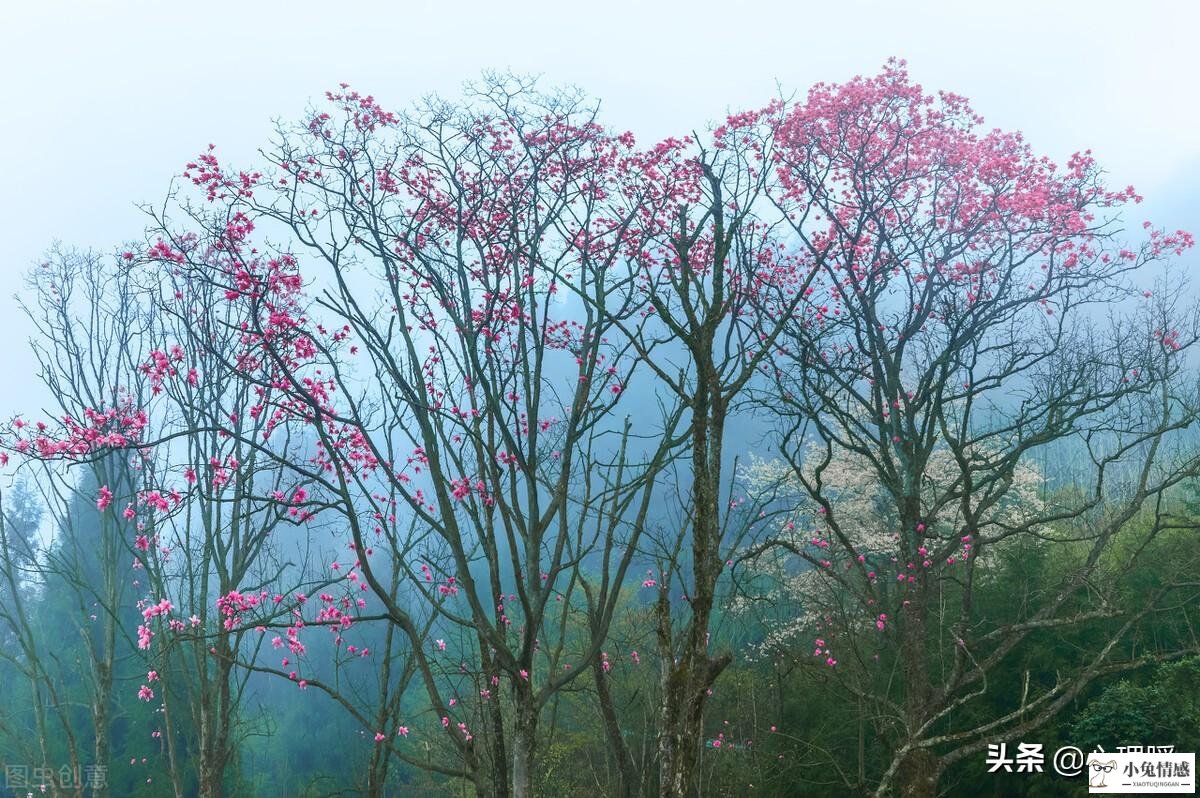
920, 770
100, 750
918, 775
524, 742
679, 741
498, 787
211, 772
681, 735
628, 782
686, 682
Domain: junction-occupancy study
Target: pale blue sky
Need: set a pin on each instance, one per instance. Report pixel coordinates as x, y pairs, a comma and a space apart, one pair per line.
106, 100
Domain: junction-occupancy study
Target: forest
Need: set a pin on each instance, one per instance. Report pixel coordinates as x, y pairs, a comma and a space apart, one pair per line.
479, 449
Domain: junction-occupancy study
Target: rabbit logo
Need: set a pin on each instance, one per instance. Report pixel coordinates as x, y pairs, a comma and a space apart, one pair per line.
1099, 771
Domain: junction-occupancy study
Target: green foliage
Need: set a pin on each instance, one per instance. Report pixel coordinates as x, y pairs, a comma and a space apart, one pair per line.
787, 725
1158, 708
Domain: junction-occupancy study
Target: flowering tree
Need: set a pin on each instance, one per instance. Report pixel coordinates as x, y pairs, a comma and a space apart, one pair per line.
787, 580
953, 337
89, 326
189, 537
468, 255
720, 285
438, 386
212, 522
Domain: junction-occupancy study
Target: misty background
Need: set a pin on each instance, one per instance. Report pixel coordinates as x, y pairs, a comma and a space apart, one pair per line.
107, 101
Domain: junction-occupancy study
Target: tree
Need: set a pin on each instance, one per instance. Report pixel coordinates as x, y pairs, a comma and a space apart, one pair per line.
791, 594
468, 253
955, 324
103, 352
89, 329
721, 286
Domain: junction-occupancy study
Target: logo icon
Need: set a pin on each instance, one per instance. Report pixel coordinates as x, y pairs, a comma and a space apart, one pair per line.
1099, 770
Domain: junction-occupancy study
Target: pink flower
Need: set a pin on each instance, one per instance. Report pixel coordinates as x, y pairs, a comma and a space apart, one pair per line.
379, 737
104, 498
402, 731
145, 693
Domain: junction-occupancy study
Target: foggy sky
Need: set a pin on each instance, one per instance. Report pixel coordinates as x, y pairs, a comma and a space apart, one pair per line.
105, 101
